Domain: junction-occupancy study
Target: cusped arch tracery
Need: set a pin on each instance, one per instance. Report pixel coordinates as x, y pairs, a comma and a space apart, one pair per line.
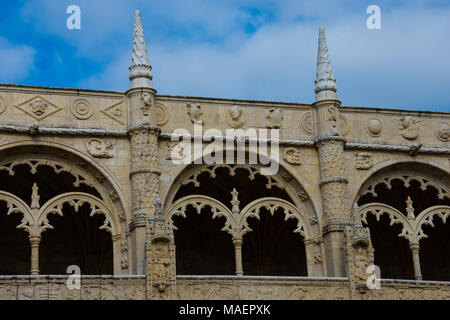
272, 205
406, 178
58, 167
199, 202
76, 163
411, 227
81, 177
283, 181
77, 200
35, 220
15, 204
236, 223
394, 215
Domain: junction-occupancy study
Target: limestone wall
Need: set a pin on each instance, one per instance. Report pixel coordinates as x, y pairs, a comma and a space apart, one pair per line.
218, 288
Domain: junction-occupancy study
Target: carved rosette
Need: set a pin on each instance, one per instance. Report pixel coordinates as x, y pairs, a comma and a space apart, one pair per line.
144, 173
81, 109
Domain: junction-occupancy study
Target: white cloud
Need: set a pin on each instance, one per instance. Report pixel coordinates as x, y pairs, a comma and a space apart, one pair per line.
201, 48
16, 61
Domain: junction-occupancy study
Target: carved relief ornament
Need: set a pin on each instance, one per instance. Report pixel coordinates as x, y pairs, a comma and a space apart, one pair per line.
364, 161
194, 112
100, 148
81, 109
409, 127
274, 118
235, 117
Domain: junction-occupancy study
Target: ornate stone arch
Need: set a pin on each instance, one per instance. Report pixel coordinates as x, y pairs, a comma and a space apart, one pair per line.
395, 217
198, 202
108, 187
286, 177
300, 197
426, 218
85, 170
76, 200
411, 227
425, 177
236, 223
272, 205
379, 168
15, 205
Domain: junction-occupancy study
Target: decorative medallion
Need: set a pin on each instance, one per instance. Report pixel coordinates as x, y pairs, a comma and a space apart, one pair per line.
344, 126
82, 110
160, 114
2, 105
116, 112
38, 107
374, 127
100, 149
235, 117
442, 131
307, 123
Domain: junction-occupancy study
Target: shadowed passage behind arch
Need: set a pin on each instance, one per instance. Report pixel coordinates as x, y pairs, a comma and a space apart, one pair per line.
206, 241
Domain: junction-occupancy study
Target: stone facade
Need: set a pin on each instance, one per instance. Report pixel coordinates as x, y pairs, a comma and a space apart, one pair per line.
119, 145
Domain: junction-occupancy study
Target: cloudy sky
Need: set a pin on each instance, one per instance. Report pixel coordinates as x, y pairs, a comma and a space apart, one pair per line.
243, 49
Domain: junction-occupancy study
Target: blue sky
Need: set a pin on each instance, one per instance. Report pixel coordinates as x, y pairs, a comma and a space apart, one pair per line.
243, 49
